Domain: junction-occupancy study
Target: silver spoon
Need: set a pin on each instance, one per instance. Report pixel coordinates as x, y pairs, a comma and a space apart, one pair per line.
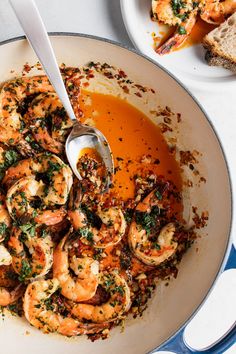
81, 136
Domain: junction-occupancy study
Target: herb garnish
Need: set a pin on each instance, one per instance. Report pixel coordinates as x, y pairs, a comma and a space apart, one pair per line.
85, 232
147, 220
25, 270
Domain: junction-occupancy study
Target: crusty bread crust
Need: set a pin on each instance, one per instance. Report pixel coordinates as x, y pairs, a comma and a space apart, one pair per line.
215, 60
221, 43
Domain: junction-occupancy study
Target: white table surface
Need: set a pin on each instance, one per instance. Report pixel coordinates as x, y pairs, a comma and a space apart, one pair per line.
103, 18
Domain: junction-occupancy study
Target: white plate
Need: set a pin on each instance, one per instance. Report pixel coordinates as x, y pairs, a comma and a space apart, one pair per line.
188, 64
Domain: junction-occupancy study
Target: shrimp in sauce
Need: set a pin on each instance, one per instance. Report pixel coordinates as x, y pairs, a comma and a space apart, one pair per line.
39, 247
42, 316
86, 270
82, 259
25, 190
118, 303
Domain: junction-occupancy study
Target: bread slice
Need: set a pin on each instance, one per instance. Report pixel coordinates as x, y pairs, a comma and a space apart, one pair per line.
221, 45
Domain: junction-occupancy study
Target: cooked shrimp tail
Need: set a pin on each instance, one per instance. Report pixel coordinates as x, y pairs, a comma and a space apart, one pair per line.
181, 34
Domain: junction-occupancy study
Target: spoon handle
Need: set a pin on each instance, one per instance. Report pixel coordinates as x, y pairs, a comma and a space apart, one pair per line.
33, 26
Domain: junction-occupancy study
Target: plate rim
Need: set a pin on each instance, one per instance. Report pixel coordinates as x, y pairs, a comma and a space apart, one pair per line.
229, 244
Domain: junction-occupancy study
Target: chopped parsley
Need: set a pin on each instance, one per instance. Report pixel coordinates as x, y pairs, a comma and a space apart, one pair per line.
86, 233
108, 282
28, 229
158, 195
43, 232
129, 215
93, 219
49, 305
3, 228
177, 5
118, 289
181, 30
10, 157
25, 271
156, 246
53, 167
147, 220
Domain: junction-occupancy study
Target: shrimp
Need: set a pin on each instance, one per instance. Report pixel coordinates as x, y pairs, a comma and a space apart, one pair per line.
86, 270
12, 96
20, 197
150, 248
110, 233
55, 172
5, 257
8, 296
47, 107
112, 227
26, 190
10, 289
39, 311
59, 176
50, 217
216, 12
5, 220
23, 168
118, 303
8, 277
38, 260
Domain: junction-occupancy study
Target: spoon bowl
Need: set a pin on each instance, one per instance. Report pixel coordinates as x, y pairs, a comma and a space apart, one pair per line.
82, 137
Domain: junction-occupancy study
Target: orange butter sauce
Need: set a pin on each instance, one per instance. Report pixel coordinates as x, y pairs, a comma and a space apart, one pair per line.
131, 135
91, 152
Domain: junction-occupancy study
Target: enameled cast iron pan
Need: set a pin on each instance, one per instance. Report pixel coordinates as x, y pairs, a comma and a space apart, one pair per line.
171, 307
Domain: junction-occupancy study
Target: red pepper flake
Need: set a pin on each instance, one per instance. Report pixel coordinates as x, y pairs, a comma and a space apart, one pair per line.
167, 120
109, 75
179, 117
90, 76
203, 179
165, 128
125, 89
141, 88
27, 68
200, 220
187, 158
122, 73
